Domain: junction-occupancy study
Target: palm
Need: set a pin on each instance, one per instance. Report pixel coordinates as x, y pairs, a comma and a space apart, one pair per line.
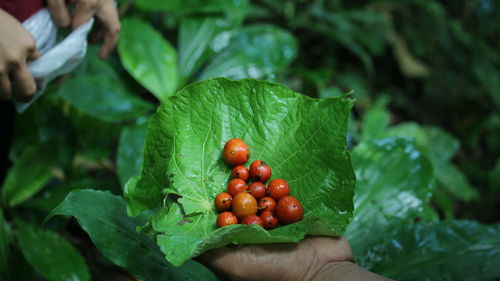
279, 261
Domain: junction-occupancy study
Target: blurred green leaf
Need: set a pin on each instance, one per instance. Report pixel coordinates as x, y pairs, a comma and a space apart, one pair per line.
394, 185
101, 98
131, 151
192, 6
375, 121
103, 216
29, 173
258, 51
455, 182
445, 250
50, 254
148, 57
5, 241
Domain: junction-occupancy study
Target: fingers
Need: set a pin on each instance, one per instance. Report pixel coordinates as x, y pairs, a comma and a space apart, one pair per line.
5, 87
60, 13
26, 85
109, 17
33, 55
84, 10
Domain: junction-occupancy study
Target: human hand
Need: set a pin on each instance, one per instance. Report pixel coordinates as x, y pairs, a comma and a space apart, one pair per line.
294, 261
104, 10
17, 47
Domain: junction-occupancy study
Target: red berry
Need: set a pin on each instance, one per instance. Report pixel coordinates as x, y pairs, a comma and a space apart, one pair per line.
289, 210
244, 205
223, 201
240, 172
278, 189
253, 219
236, 152
260, 171
257, 189
236, 186
267, 204
270, 219
226, 218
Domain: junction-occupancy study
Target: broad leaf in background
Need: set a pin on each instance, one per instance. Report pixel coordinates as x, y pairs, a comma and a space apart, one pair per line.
375, 120
394, 185
29, 173
50, 254
287, 130
103, 216
258, 51
199, 38
103, 99
193, 6
131, 151
148, 57
5, 240
446, 250
439, 146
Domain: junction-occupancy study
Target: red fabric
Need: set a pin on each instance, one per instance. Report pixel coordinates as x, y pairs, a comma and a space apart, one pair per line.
21, 9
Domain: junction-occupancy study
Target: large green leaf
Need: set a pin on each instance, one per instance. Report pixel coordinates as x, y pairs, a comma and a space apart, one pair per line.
446, 250
50, 254
148, 57
130, 151
395, 183
103, 98
30, 172
103, 216
302, 139
258, 51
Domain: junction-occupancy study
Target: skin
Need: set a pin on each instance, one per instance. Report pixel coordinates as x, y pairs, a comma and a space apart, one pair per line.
312, 259
17, 46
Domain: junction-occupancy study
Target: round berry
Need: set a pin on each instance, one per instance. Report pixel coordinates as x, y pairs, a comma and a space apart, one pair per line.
240, 172
260, 171
236, 152
270, 219
267, 204
253, 219
236, 186
244, 205
223, 201
226, 218
289, 210
257, 189
278, 189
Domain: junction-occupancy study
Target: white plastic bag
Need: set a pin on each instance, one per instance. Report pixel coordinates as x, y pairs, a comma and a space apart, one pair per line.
57, 58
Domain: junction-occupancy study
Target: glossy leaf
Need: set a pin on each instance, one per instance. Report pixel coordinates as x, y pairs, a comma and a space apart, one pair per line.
50, 254
395, 184
447, 250
201, 37
148, 57
131, 151
103, 216
258, 51
285, 129
29, 173
103, 99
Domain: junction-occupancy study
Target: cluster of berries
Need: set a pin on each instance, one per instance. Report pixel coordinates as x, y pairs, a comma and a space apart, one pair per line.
242, 202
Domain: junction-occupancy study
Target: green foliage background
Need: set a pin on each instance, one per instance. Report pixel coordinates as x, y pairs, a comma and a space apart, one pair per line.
424, 132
